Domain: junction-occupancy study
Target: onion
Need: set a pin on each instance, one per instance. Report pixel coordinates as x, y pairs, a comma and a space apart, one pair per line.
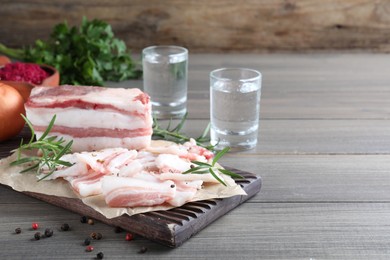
11, 106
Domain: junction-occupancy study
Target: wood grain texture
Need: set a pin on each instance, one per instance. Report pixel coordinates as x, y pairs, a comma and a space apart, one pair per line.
266, 230
254, 26
323, 155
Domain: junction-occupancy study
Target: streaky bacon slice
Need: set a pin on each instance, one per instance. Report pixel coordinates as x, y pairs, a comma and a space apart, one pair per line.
87, 185
189, 150
132, 192
185, 191
94, 118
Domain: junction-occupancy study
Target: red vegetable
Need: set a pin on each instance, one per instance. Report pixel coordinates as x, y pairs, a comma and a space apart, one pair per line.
4, 60
26, 72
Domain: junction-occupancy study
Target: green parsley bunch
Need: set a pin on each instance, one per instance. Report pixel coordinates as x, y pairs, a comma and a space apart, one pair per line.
88, 55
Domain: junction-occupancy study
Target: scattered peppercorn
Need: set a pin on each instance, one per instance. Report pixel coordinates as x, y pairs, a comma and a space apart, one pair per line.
65, 227
129, 236
83, 219
89, 248
93, 235
35, 226
48, 232
118, 230
100, 255
99, 236
172, 186
87, 241
18, 230
90, 221
37, 235
142, 250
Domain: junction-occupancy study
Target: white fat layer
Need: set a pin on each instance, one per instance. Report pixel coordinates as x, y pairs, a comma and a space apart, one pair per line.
107, 161
172, 163
89, 189
120, 98
110, 183
76, 169
134, 186
207, 177
185, 191
131, 169
99, 143
83, 118
121, 160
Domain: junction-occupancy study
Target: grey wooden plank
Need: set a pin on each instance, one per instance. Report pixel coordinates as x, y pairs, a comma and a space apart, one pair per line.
324, 102
267, 231
315, 136
318, 178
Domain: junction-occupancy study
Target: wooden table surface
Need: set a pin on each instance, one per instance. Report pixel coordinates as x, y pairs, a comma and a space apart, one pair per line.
323, 155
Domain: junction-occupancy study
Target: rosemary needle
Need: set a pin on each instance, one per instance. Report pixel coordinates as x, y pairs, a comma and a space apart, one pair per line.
51, 147
204, 168
174, 134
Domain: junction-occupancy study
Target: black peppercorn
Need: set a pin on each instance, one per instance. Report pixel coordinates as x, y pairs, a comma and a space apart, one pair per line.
87, 241
100, 255
48, 232
18, 230
83, 219
65, 227
118, 230
99, 236
142, 250
37, 235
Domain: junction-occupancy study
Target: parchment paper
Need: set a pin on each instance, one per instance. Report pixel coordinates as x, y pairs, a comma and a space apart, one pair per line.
11, 177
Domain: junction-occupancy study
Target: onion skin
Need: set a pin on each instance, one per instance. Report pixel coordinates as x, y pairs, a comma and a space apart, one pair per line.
4, 60
11, 106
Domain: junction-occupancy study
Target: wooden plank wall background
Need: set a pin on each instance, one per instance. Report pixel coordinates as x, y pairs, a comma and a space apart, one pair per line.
212, 25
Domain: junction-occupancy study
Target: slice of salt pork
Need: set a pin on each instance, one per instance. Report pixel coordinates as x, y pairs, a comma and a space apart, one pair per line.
94, 118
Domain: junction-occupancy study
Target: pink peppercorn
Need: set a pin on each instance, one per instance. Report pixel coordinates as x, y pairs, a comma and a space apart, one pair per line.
35, 226
129, 237
26, 72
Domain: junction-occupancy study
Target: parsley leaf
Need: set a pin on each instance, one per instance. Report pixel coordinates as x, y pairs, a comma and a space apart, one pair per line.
88, 55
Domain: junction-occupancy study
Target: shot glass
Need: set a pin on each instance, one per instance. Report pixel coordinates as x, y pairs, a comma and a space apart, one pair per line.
165, 70
234, 108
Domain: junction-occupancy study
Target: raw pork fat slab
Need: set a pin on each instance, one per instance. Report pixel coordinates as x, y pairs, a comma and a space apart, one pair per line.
93, 117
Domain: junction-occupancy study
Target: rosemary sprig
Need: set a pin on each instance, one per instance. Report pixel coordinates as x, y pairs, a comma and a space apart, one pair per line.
174, 134
204, 168
52, 150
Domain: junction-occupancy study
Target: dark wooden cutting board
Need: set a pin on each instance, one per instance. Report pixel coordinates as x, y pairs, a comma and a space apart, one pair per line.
171, 227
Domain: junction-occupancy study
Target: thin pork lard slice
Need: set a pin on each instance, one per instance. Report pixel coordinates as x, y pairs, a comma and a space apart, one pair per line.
133, 192
93, 117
